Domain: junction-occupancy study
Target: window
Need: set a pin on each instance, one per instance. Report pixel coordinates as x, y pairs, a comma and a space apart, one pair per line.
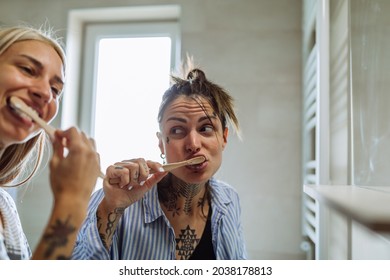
132, 74
125, 70
130, 64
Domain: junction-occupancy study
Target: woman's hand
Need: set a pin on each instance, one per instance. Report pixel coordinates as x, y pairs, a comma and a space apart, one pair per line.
127, 181
74, 167
130, 180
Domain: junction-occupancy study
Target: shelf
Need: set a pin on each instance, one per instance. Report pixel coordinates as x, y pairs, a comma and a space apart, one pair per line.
369, 206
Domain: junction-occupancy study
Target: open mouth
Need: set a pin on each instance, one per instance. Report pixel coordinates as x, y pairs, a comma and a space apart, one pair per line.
197, 167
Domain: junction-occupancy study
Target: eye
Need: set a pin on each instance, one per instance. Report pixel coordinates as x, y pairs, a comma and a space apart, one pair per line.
56, 92
207, 128
28, 70
177, 130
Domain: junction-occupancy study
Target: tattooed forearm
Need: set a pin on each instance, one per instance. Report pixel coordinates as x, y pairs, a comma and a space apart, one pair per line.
58, 236
112, 219
106, 231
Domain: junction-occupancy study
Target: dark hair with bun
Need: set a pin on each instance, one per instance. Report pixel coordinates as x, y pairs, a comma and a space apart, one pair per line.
196, 85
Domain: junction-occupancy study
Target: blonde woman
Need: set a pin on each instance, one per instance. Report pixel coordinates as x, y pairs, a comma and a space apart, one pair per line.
32, 68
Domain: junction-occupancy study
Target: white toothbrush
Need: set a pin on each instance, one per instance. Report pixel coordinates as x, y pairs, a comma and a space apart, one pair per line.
20, 106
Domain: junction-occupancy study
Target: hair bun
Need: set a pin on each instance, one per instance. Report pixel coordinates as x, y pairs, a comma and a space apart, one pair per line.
196, 74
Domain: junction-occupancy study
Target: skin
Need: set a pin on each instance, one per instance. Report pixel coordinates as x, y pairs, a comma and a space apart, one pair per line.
33, 71
186, 132
191, 133
23, 74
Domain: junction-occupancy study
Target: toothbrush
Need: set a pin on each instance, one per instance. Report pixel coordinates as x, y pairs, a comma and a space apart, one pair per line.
172, 166
21, 107
192, 161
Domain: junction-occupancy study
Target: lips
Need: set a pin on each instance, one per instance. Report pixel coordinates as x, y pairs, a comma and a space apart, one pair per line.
197, 167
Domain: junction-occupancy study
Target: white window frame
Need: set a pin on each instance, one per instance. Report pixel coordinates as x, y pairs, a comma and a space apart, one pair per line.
77, 106
96, 32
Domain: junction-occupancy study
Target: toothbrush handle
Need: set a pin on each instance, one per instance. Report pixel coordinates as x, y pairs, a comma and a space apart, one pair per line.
166, 167
48, 128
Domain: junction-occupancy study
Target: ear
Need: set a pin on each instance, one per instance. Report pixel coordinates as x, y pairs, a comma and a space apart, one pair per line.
225, 136
160, 142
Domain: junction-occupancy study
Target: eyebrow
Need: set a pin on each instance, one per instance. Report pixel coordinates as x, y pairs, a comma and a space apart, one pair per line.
40, 66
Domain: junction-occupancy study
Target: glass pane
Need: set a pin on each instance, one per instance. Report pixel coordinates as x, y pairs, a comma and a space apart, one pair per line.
370, 44
133, 73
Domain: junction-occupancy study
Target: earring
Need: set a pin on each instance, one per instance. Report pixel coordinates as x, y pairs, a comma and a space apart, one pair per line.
163, 157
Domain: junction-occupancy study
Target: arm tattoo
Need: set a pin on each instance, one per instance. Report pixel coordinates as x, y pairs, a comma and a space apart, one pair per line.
57, 237
112, 219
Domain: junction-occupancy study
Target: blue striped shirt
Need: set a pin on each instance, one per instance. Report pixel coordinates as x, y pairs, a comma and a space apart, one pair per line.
144, 232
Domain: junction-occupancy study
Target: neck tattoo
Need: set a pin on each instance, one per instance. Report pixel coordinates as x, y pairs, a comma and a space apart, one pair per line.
172, 189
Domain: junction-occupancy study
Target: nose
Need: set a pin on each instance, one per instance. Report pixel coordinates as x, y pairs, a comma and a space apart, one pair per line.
42, 92
193, 143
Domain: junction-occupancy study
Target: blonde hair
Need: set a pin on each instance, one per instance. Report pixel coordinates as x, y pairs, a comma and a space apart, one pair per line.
11, 35
16, 157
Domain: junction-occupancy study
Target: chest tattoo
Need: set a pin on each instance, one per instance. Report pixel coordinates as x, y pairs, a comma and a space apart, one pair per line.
186, 243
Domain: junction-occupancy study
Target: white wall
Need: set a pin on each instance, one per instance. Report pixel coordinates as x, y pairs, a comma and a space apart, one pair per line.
252, 48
